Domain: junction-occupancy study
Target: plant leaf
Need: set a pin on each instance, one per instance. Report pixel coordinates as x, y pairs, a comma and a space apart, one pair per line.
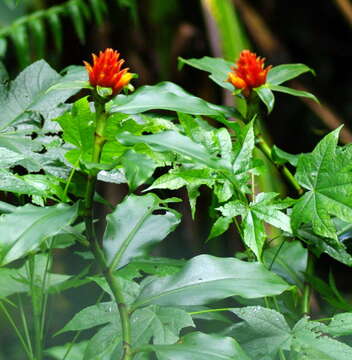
224, 277
198, 346
33, 225
175, 142
266, 95
125, 240
165, 96
325, 173
217, 67
293, 92
281, 73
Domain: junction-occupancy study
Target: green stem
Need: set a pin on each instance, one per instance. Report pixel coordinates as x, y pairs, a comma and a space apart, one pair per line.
37, 300
265, 148
17, 331
307, 288
114, 285
208, 311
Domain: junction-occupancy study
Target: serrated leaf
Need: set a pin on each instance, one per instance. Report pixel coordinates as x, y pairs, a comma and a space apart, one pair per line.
217, 67
195, 286
293, 92
125, 240
78, 127
264, 208
198, 346
267, 96
164, 96
263, 332
281, 73
340, 325
27, 94
312, 346
325, 173
33, 226
243, 150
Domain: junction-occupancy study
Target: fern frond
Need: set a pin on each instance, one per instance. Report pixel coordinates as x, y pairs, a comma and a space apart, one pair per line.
35, 24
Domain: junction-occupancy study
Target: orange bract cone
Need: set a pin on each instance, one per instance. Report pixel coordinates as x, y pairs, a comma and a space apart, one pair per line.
106, 71
249, 72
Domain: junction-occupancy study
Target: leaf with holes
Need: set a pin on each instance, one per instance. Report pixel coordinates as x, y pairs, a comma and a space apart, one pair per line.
143, 230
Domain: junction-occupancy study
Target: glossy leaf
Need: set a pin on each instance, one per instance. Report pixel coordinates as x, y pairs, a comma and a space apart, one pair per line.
138, 168
205, 279
217, 67
126, 240
281, 157
198, 346
165, 96
281, 73
266, 95
175, 142
293, 92
33, 226
325, 173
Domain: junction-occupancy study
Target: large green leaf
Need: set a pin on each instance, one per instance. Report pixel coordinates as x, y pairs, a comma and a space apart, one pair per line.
124, 240
175, 142
28, 93
33, 225
263, 332
308, 340
138, 168
281, 73
205, 279
326, 174
217, 67
165, 96
198, 346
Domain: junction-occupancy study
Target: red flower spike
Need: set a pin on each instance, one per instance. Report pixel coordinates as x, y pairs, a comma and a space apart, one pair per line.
106, 71
249, 72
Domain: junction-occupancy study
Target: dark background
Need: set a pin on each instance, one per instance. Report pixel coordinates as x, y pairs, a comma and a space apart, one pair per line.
317, 34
